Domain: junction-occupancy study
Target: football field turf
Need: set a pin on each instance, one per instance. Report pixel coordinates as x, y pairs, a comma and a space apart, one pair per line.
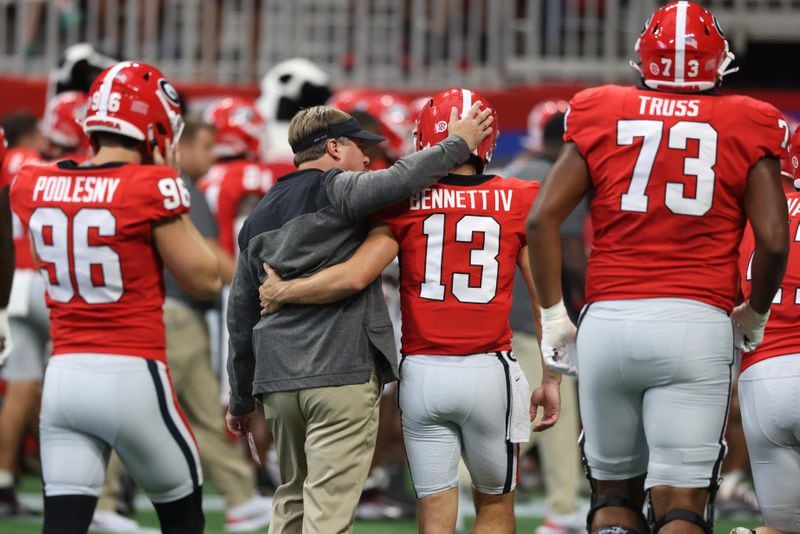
30, 490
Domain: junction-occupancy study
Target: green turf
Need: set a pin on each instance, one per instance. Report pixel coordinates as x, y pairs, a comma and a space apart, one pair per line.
215, 520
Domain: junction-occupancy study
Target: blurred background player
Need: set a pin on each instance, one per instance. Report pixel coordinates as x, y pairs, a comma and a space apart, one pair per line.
769, 384
232, 187
189, 353
557, 448
62, 127
100, 241
8, 502
28, 322
674, 181
237, 180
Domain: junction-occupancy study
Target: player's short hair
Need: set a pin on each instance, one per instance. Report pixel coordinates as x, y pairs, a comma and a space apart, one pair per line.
112, 140
553, 133
19, 125
308, 121
192, 126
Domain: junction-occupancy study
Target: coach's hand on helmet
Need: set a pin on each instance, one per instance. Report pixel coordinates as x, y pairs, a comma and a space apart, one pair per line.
473, 127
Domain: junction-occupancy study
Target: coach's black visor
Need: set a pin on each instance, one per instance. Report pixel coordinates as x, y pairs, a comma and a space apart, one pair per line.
349, 128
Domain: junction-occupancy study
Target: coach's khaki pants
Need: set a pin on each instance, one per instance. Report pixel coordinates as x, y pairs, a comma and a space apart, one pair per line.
189, 359
325, 439
558, 446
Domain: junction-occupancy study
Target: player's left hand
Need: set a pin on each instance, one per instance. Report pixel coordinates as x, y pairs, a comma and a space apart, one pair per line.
548, 396
239, 424
5, 337
269, 292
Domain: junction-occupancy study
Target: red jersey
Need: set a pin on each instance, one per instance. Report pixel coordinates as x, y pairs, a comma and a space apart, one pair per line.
16, 158
92, 230
459, 243
669, 172
228, 183
780, 336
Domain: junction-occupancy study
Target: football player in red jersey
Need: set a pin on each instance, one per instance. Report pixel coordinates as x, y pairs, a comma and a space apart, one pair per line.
462, 393
62, 127
6, 254
235, 184
769, 383
676, 169
27, 316
101, 232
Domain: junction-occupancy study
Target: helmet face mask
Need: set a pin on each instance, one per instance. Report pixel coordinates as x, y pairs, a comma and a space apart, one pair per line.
135, 100
432, 122
682, 49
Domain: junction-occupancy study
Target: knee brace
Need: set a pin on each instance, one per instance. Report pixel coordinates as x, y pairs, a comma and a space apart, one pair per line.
683, 515
620, 502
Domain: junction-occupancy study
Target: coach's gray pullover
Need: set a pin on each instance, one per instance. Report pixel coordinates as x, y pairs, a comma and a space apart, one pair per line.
308, 221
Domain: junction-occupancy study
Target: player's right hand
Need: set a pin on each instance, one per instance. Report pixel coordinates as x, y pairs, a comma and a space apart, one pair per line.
269, 292
5, 337
558, 340
473, 127
750, 325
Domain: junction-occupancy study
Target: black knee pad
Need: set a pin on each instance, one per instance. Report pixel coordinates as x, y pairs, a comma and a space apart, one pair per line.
184, 516
615, 529
683, 515
621, 502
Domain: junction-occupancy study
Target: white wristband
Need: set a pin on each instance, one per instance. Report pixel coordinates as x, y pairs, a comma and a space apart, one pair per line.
555, 312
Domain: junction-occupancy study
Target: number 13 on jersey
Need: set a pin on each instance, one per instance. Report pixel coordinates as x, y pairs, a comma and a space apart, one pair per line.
485, 257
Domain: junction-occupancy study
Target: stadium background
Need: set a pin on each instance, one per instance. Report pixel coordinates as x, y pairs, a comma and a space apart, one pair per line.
516, 52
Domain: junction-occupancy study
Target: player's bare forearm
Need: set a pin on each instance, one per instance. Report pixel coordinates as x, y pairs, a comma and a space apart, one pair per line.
765, 204
6, 248
544, 252
566, 184
188, 257
524, 264
338, 281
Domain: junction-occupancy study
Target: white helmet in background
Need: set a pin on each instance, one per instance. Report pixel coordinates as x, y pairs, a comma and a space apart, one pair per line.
290, 86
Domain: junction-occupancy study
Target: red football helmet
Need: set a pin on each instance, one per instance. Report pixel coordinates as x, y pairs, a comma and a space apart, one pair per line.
682, 49
62, 123
435, 116
240, 127
538, 118
392, 112
135, 100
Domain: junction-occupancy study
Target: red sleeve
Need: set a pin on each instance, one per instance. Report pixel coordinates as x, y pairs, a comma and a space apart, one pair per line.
162, 193
583, 124
767, 135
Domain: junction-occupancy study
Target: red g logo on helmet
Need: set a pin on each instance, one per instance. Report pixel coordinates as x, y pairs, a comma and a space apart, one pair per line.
135, 100
434, 118
682, 49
